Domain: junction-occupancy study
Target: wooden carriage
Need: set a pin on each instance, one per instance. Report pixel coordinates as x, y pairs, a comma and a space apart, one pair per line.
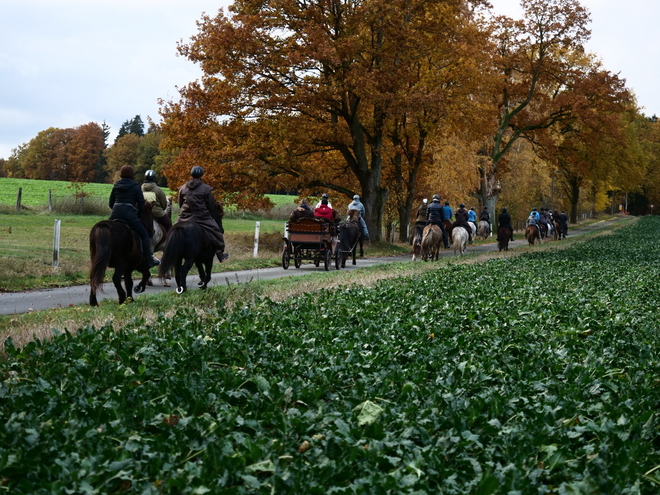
309, 239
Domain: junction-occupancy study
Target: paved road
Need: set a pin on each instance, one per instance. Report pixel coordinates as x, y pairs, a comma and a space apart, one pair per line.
24, 302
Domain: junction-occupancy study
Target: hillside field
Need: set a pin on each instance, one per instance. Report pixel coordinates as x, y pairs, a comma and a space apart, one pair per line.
529, 374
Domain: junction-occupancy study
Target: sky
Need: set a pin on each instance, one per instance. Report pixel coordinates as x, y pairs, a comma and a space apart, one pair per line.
65, 63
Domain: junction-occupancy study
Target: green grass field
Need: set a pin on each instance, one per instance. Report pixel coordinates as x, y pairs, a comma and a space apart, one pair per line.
35, 192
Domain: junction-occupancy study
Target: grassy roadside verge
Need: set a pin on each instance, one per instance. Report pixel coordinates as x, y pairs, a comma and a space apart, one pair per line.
148, 307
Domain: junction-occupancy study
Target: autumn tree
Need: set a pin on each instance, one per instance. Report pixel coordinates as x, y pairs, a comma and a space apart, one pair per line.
533, 59
308, 94
123, 152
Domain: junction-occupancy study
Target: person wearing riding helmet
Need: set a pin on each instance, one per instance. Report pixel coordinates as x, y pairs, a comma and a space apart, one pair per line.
434, 215
447, 212
356, 204
324, 196
505, 220
127, 203
462, 221
155, 195
484, 216
421, 211
198, 204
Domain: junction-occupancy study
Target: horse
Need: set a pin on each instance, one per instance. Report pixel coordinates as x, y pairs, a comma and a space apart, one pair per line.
115, 245
532, 234
431, 242
474, 229
484, 230
416, 239
543, 230
350, 235
159, 235
448, 227
503, 236
459, 240
188, 244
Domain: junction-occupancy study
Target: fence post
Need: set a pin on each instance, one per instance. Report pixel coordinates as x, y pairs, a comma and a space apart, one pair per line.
256, 240
50, 200
56, 245
18, 199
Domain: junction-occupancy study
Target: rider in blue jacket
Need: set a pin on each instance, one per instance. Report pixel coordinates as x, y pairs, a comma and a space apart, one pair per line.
434, 214
447, 212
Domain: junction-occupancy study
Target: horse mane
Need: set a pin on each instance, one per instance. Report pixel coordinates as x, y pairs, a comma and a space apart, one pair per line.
353, 215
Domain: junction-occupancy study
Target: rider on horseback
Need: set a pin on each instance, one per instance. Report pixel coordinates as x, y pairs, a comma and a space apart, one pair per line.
434, 216
127, 203
462, 221
485, 217
356, 204
505, 220
533, 219
197, 204
155, 195
472, 217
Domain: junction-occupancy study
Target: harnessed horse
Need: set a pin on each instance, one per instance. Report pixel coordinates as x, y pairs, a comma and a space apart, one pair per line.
115, 245
350, 235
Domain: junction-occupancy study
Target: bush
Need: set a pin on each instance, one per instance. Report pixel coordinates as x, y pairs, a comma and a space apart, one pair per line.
81, 206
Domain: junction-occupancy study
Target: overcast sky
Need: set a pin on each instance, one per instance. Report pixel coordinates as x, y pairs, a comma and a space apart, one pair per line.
64, 63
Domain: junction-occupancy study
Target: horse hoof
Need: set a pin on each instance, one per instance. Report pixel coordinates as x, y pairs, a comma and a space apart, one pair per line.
139, 289
166, 284
180, 290
201, 283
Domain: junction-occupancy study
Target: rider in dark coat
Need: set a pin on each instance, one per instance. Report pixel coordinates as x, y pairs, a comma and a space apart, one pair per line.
197, 204
127, 203
505, 220
484, 216
462, 220
434, 216
562, 220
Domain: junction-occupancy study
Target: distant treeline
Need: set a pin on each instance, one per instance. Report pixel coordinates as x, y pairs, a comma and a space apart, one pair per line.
82, 154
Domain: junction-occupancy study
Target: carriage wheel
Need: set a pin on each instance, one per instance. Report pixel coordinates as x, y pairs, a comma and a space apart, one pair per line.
337, 259
286, 258
327, 259
297, 257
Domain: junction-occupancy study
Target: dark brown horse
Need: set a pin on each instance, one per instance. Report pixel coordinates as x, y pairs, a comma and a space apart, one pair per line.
350, 235
115, 245
188, 244
503, 236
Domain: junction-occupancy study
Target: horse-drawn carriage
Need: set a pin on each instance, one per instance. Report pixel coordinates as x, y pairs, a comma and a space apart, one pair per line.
310, 239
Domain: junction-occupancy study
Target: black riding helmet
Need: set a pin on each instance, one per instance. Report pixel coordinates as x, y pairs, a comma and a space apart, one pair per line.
197, 171
150, 176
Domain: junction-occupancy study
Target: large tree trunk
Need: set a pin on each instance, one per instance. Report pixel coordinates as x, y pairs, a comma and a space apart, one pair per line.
489, 192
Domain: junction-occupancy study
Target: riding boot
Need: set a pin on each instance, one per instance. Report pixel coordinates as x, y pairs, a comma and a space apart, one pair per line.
222, 256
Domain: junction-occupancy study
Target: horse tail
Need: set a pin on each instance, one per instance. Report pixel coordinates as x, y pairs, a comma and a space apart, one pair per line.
175, 245
100, 248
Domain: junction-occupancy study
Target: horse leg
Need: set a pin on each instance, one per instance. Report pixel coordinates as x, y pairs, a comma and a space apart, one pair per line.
361, 249
181, 277
146, 280
128, 282
116, 279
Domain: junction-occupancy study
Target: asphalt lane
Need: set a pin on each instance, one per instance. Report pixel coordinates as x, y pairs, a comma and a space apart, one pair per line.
38, 300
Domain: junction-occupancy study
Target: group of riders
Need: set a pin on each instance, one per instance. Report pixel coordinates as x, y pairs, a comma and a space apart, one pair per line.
195, 199
435, 213
196, 202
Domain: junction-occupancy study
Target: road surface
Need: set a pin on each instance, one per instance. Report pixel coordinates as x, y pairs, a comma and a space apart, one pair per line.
38, 300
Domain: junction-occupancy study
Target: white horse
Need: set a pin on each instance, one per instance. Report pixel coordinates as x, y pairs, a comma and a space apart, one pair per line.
459, 240
484, 229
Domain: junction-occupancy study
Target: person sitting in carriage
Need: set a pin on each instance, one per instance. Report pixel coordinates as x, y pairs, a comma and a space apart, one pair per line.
155, 195
127, 203
324, 196
324, 210
434, 216
356, 204
505, 220
462, 221
198, 205
302, 211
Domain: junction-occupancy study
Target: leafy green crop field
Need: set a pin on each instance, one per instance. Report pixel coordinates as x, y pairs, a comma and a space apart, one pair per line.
526, 375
